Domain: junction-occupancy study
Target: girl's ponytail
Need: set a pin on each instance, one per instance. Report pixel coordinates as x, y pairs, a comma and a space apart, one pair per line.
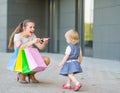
17, 30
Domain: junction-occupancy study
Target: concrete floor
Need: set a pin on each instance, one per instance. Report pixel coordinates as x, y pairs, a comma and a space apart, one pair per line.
99, 76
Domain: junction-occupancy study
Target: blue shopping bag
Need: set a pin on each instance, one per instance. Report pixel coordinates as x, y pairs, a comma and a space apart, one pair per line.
12, 61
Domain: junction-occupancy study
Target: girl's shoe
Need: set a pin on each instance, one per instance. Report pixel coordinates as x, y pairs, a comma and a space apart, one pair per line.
77, 87
35, 81
20, 79
66, 87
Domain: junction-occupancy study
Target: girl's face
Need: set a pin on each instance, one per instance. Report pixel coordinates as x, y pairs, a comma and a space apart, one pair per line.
29, 29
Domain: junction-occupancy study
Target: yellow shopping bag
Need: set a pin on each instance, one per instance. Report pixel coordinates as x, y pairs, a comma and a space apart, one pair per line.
18, 66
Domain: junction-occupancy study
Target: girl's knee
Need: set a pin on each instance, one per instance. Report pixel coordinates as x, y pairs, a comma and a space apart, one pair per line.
46, 60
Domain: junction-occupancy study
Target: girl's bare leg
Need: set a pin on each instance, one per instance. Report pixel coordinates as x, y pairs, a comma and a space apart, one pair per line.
33, 79
69, 81
68, 84
46, 60
74, 80
21, 78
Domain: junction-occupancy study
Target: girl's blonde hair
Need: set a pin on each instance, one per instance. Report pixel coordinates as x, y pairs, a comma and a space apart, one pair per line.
18, 29
73, 36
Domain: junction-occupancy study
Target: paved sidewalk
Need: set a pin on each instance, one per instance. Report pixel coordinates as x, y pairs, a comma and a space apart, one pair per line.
99, 76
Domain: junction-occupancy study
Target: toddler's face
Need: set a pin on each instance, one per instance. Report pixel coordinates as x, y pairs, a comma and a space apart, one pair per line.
67, 40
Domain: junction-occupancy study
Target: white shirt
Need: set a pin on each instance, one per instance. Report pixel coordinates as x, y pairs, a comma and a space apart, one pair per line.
22, 39
68, 50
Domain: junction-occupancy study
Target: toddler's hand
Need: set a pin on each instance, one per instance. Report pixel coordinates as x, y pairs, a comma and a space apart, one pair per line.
79, 62
60, 64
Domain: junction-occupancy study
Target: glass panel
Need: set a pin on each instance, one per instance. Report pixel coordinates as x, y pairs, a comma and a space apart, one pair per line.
54, 26
88, 27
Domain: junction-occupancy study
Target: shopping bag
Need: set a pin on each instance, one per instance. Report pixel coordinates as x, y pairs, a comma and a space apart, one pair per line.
12, 61
25, 66
18, 65
21, 62
35, 60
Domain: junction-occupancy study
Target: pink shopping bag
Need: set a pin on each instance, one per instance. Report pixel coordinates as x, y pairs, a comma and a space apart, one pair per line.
35, 60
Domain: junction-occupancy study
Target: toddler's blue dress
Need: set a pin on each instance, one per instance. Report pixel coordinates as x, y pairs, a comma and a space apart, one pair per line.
72, 65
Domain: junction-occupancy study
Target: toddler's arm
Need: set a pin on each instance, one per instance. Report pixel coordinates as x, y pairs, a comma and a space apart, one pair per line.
63, 60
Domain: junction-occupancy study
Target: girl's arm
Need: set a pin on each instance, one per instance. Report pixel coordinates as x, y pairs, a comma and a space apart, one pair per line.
42, 45
63, 60
30, 43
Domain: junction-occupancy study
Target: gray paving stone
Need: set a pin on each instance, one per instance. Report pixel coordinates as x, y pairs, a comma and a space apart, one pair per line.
99, 76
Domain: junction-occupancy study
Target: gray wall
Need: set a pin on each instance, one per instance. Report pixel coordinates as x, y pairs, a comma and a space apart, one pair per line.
66, 21
106, 43
18, 10
3, 25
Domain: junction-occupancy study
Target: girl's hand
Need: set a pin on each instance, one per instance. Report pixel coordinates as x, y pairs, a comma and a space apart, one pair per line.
45, 40
36, 40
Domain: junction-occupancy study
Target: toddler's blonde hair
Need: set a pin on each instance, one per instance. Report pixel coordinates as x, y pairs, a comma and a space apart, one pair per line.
73, 36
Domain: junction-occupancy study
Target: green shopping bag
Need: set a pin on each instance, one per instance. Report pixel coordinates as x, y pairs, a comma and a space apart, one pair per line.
22, 63
25, 66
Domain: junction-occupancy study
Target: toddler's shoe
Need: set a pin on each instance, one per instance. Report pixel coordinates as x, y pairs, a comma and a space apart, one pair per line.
66, 87
77, 87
